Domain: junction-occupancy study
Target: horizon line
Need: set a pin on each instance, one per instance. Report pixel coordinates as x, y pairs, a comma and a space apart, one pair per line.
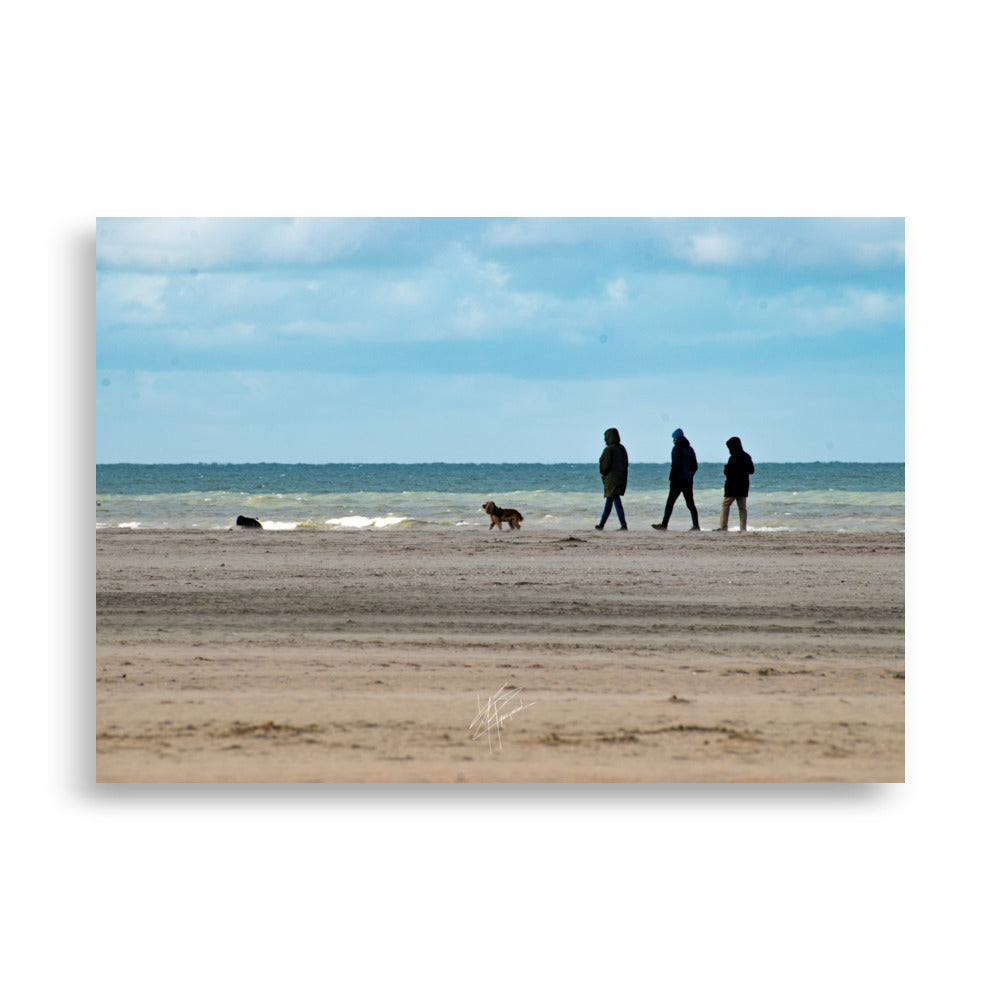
773, 461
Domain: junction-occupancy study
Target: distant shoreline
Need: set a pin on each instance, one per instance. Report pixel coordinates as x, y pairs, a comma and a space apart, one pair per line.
586, 461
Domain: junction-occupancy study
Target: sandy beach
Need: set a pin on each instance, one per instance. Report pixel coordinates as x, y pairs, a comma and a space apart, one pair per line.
627, 657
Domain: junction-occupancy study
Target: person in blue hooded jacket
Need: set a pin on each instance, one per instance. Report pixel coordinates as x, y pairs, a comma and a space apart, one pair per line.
683, 466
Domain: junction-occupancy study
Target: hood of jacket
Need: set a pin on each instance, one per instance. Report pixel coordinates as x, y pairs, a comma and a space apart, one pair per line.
735, 445
611, 436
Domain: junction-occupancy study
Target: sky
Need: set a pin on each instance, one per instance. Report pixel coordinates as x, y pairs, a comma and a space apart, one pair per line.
498, 340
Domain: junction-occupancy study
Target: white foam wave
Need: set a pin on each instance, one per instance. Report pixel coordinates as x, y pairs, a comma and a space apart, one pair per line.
357, 521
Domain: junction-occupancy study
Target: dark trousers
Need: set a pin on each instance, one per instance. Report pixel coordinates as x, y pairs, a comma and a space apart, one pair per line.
685, 488
619, 510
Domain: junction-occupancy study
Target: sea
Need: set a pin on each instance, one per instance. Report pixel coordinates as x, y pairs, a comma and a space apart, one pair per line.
789, 496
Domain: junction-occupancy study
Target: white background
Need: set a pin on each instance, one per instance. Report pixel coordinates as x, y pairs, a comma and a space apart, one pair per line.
514, 109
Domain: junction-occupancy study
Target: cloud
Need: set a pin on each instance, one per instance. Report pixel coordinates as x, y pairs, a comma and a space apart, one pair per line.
225, 337
174, 245
453, 294
521, 233
784, 245
361, 318
712, 248
382, 312
186, 245
618, 290
811, 311
134, 295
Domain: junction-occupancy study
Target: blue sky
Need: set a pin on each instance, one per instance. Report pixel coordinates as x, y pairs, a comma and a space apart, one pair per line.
486, 340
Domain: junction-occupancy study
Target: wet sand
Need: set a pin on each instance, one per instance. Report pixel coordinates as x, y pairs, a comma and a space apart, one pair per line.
365, 656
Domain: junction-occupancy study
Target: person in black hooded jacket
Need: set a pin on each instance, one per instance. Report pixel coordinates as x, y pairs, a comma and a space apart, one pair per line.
614, 473
738, 471
683, 466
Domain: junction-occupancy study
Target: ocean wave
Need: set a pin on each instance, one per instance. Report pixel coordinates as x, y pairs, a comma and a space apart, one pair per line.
357, 521
781, 499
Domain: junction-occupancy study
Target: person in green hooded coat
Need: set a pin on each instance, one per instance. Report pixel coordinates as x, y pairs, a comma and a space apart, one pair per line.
614, 473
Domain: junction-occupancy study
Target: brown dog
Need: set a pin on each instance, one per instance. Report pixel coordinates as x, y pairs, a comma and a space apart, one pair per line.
498, 515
